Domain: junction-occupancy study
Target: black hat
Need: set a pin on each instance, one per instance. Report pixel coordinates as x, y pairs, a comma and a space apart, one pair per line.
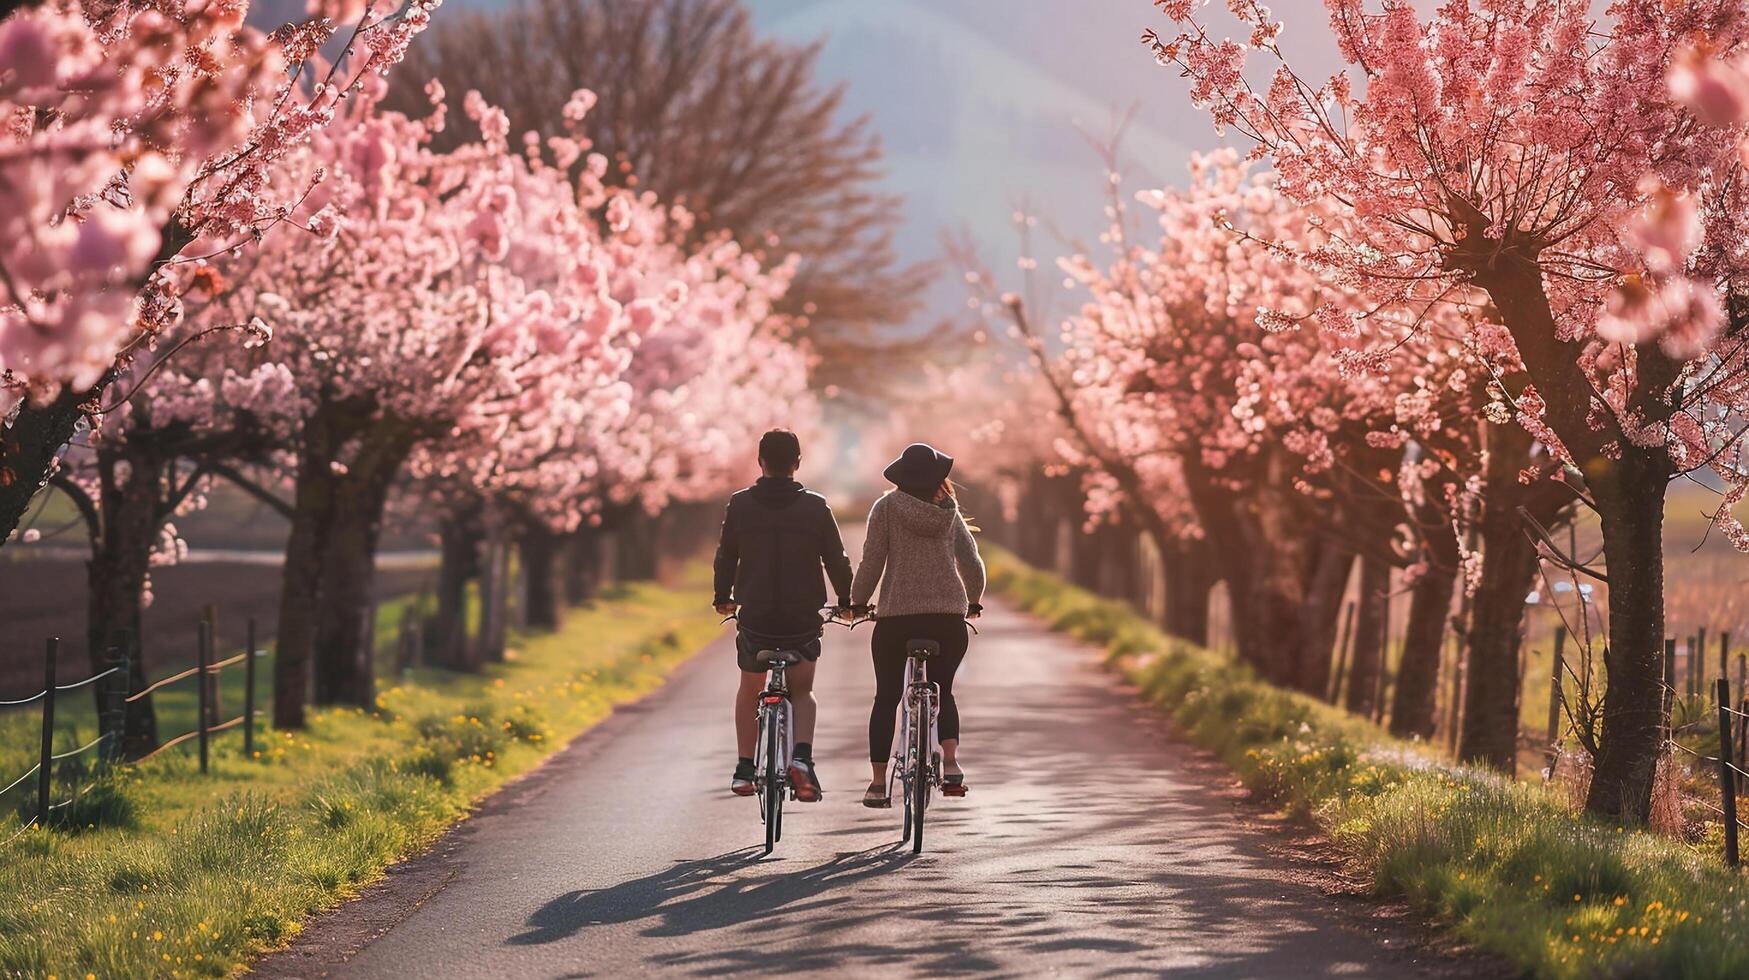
919, 466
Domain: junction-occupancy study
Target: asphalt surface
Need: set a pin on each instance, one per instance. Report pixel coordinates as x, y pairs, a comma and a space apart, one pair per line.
1092, 844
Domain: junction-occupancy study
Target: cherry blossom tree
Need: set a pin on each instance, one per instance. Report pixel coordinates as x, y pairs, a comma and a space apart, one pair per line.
506, 334
141, 138
1187, 378
403, 317
1506, 153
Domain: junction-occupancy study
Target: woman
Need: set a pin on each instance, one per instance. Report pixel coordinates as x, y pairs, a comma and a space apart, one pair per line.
921, 553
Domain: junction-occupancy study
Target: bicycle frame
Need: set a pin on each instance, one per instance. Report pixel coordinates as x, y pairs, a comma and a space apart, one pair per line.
775, 709
775, 745
916, 778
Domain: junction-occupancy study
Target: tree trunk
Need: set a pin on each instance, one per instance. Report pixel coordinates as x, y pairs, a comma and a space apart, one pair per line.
637, 539
1416, 696
116, 585
1629, 493
1321, 613
1086, 554
494, 595
330, 557
1038, 526
1367, 666
1630, 501
1189, 578
1490, 730
300, 581
1118, 563
459, 535
582, 565
540, 547
1228, 545
28, 449
345, 638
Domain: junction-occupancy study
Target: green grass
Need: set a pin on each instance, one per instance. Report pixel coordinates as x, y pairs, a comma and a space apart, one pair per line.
1505, 866
171, 873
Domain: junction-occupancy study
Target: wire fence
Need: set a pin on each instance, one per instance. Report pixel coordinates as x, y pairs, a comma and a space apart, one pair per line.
112, 717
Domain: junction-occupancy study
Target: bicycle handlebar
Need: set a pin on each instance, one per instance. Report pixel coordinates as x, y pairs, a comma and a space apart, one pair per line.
831, 619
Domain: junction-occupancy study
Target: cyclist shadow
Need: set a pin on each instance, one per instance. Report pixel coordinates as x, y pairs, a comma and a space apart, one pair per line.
693, 896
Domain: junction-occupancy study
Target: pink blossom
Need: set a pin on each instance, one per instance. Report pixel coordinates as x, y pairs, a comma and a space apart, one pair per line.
1717, 92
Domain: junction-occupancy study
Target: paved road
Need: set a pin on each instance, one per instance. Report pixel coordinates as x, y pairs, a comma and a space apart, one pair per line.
1091, 845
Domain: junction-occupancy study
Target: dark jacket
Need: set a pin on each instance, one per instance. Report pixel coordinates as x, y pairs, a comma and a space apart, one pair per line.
776, 537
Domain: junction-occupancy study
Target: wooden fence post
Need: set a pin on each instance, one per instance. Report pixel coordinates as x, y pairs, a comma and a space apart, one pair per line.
249, 692
214, 703
404, 642
1743, 697
1460, 671
1554, 753
1725, 656
367, 650
203, 657
1700, 684
1669, 681
1727, 775
46, 763
1342, 652
1693, 668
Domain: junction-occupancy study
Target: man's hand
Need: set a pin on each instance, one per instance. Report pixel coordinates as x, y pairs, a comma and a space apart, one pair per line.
974, 611
725, 609
858, 613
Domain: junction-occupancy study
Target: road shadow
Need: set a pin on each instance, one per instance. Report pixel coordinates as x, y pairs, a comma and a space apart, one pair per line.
712, 893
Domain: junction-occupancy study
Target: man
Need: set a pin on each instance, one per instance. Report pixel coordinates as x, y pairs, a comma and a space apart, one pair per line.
776, 537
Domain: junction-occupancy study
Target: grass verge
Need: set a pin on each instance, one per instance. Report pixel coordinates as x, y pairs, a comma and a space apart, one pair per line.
1505, 865
171, 873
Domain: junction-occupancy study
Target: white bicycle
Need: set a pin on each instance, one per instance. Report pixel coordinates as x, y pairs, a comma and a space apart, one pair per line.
916, 764
776, 745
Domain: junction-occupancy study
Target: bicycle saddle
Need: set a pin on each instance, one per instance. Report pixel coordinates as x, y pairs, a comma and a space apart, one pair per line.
786, 657
923, 648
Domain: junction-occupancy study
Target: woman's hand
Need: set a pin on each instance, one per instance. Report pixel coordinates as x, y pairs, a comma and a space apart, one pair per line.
974, 611
725, 609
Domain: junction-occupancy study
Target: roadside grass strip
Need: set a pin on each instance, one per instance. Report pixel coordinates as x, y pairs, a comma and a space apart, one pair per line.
169, 873
1505, 865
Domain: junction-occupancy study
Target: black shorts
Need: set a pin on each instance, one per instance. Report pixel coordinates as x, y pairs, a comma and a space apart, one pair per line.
757, 625
747, 649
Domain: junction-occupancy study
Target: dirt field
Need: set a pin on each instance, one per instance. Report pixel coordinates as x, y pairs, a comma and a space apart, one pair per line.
43, 597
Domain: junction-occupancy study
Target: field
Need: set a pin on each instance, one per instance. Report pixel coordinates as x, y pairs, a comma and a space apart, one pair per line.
235, 544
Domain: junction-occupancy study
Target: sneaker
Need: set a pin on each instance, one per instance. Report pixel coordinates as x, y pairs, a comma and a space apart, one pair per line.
802, 779
742, 783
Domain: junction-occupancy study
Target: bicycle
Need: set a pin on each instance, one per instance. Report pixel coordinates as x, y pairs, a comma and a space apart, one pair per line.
774, 750
916, 766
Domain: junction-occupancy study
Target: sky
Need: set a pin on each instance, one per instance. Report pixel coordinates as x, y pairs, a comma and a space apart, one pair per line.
986, 106
989, 106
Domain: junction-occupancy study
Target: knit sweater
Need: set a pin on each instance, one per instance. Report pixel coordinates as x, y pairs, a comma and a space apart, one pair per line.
922, 556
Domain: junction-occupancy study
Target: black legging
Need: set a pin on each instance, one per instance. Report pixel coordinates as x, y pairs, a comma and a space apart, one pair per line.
890, 637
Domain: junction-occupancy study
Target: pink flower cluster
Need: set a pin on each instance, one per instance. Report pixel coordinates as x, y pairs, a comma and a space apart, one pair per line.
137, 137
1521, 162
546, 343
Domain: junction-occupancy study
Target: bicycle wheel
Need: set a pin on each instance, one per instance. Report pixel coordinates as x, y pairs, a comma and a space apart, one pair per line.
773, 782
899, 772
920, 778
